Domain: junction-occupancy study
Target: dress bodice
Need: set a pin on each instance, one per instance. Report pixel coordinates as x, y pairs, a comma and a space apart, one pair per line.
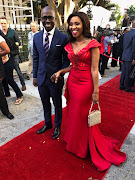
83, 57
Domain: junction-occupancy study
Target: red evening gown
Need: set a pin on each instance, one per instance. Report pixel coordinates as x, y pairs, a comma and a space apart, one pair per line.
79, 137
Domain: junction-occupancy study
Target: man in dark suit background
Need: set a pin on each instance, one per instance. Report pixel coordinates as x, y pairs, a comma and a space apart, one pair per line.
121, 45
49, 56
128, 59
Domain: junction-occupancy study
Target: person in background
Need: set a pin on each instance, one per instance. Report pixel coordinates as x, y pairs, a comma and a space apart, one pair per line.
9, 65
121, 46
115, 47
105, 50
12, 34
128, 59
31, 34
107, 26
4, 50
126, 21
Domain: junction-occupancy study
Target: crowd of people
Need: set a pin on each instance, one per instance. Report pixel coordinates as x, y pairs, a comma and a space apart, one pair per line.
53, 54
119, 45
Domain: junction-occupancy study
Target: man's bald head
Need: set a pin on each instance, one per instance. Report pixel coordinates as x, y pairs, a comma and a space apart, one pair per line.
48, 18
47, 8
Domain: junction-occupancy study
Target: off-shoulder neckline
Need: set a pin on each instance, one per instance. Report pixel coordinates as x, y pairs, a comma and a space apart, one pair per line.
80, 49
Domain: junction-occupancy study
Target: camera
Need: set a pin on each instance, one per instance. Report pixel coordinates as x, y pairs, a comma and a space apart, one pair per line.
105, 31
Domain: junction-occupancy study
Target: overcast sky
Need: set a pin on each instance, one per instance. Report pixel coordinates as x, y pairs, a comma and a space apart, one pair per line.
124, 3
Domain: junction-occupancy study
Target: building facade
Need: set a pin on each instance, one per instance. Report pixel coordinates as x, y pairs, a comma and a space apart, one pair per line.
14, 10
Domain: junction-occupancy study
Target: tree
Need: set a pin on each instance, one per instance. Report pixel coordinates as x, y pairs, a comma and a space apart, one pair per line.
131, 10
117, 14
63, 8
103, 3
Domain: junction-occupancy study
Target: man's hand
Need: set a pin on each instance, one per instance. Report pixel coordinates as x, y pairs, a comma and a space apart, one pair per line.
1, 78
35, 82
56, 76
53, 77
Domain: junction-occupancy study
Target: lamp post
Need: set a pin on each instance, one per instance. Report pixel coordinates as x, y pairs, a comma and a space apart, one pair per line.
89, 12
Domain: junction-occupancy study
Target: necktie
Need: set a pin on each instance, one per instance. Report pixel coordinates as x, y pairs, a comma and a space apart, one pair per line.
46, 46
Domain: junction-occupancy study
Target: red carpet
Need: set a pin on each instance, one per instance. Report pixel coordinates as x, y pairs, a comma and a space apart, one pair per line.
31, 156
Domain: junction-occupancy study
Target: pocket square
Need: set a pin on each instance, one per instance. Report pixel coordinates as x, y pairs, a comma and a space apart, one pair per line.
58, 45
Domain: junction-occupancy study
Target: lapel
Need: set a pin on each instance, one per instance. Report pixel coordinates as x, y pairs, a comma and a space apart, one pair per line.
40, 42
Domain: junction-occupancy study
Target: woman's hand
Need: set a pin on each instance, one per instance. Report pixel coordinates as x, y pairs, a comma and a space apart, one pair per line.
56, 76
95, 97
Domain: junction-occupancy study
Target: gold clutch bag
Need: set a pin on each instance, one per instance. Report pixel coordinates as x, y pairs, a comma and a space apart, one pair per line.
94, 117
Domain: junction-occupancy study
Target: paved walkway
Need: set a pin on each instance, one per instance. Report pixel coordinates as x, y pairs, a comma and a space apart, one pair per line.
32, 107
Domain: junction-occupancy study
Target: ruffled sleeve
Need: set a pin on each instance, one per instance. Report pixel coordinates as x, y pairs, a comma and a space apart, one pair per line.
68, 48
92, 44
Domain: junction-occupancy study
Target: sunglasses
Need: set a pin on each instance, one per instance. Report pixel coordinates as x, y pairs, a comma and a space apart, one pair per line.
47, 17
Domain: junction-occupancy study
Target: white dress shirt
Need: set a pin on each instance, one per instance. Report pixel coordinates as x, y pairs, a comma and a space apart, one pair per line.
50, 36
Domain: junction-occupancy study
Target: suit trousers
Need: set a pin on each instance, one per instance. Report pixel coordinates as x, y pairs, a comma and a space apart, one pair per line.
18, 70
30, 65
3, 102
125, 81
104, 63
10, 80
114, 62
54, 90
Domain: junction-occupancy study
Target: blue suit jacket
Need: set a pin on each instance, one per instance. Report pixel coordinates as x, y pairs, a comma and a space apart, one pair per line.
129, 46
56, 59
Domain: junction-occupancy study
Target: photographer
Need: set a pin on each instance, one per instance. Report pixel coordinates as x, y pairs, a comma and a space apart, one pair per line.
105, 49
115, 47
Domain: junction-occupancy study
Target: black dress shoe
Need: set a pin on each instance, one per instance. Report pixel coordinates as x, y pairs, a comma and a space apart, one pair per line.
130, 90
56, 133
107, 68
9, 116
44, 128
121, 88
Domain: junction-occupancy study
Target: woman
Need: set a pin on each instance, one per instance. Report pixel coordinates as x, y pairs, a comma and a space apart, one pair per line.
3, 102
8, 67
82, 85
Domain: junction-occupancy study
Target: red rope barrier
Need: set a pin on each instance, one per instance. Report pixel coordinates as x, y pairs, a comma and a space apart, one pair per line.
111, 57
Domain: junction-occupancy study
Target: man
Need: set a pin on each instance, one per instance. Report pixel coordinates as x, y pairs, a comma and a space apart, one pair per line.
107, 26
115, 47
49, 56
10, 33
126, 21
121, 46
105, 49
3, 102
128, 59
31, 34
